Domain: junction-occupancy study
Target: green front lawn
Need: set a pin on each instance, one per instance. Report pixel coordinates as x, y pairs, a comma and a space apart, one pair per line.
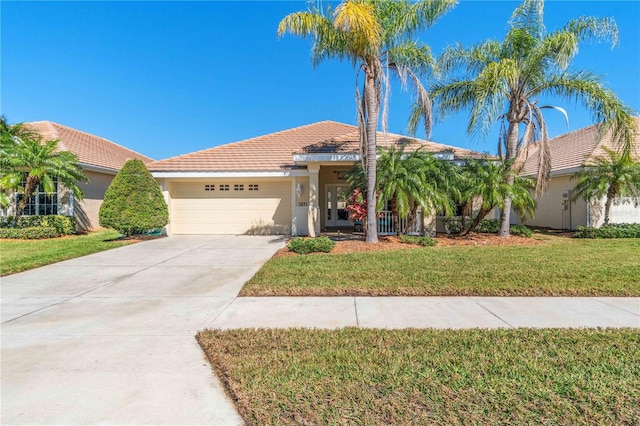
556, 267
382, 377
21, 255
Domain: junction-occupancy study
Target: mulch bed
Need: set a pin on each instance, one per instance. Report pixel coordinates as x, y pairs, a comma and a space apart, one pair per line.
393, 243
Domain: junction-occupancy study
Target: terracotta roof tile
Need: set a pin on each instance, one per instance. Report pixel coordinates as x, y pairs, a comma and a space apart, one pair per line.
571, 150
90, 149
274, 152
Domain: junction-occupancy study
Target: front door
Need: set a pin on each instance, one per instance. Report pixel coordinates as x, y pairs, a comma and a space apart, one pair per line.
335, 210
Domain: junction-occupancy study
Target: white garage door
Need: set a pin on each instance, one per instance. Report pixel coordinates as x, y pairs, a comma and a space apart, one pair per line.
230, 207
625, 213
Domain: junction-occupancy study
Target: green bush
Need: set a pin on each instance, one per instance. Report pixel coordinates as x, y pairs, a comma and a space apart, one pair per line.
30, 233
618, 230
310, 245
64, 225
133, 202
422, 241
488, 226
492, 226
520, 231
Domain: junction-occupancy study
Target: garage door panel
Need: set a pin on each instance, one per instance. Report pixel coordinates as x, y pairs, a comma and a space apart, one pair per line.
196, 211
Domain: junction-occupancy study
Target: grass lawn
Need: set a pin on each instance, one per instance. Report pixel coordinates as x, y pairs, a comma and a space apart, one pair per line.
364, 376
21, 255
556, 267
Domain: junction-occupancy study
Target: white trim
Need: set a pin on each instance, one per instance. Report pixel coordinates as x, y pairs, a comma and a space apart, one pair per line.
228, 174
562, 172
93, 168
333, 158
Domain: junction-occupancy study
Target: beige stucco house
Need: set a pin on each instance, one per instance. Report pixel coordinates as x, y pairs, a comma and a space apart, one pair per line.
100, 159
568, 153
288, 182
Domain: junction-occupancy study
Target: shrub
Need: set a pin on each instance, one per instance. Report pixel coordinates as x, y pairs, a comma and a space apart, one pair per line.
310, 245
520, 230
492, 226
30, 233
133, 202
422, 241
618, 230
64, 225
488, 226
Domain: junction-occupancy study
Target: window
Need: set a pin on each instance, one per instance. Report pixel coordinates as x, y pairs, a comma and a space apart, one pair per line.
41, 203
253, 187
209, 187
238, 187
223, 187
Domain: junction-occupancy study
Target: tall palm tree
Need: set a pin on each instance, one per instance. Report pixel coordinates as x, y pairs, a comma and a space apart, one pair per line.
29, 161
375, 36
612, 175
505, 80
486, 181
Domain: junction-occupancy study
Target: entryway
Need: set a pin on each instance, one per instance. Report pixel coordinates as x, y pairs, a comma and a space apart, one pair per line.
336, 213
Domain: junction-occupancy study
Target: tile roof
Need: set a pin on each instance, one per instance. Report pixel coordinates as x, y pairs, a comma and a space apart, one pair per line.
569, 151
350, 144
274, 152
90, 149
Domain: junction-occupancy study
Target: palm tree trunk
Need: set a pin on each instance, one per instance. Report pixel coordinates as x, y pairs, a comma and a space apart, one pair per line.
611, 195
396, 216
411, 218
512, 151
372, 104
29, 189
481, 214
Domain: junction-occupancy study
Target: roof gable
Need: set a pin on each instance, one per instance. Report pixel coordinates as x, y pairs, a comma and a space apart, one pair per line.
570, 150
90, 149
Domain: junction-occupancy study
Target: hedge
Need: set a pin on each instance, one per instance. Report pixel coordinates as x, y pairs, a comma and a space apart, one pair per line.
422, 241
311, 245
492, 226
618, 230
64, 225
30, 233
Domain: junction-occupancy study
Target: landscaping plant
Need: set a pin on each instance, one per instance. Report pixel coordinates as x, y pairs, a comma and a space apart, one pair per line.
619, 230
311, 245
133, 202
378, 37
507, 80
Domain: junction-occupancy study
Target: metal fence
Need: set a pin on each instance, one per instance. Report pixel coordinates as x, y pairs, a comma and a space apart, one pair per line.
386, 224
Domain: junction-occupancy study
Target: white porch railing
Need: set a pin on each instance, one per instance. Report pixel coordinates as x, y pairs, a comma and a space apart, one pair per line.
386, 224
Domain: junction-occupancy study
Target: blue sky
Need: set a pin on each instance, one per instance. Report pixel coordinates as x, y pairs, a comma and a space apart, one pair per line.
168, 78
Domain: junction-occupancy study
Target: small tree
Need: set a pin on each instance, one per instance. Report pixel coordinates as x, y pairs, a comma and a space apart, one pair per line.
28, 161
612, 176
133, 202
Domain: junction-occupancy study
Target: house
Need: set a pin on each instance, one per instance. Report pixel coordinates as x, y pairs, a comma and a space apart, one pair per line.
288, 182
568, 154
100, 159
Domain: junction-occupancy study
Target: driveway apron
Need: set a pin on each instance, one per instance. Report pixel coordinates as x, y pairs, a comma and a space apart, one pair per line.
109, 338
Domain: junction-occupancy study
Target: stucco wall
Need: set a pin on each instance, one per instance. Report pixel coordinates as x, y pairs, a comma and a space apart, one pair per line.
554, 210
86, 210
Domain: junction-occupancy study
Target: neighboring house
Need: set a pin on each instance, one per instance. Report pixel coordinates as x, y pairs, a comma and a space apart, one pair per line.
288, 182
100, 159
568, 154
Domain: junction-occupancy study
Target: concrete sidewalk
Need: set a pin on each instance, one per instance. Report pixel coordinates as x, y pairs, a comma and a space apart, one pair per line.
429, 312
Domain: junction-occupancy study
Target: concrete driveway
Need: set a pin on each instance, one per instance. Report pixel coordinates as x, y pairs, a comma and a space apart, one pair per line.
108, 338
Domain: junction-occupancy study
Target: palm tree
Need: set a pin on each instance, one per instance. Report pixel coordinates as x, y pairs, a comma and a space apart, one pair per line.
505, 80
375, 36
29, 161
408, 181
612, 175
487, 181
